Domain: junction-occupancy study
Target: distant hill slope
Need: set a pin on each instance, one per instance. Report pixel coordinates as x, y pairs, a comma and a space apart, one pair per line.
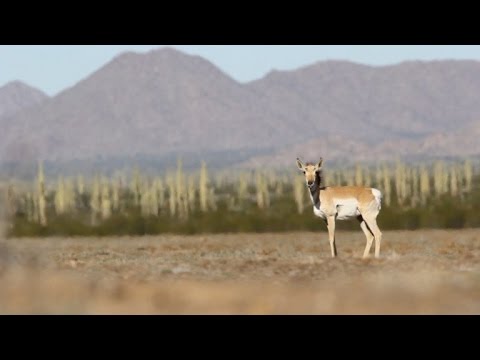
165, 103
16, 96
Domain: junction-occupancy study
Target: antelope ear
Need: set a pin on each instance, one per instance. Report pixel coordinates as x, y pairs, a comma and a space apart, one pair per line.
300, 164
319, 165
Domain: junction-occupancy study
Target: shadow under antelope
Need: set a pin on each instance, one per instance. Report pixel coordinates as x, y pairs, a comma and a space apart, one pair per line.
344, 203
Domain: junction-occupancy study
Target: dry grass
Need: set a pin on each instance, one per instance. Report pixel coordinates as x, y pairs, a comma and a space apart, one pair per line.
420, 272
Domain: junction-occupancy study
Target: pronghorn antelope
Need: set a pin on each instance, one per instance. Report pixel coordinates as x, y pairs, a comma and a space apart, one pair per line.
342, 203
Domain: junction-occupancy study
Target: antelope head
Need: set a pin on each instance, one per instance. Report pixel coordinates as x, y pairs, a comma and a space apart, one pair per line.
311, 171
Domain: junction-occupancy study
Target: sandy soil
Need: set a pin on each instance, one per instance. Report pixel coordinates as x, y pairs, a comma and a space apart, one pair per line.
420, 272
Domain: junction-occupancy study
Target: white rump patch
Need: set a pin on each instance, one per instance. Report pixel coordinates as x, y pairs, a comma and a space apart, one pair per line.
378, 197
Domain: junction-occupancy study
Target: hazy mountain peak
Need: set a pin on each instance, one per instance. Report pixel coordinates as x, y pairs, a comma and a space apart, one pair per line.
17, 85
16, 96
168, 51
166, 62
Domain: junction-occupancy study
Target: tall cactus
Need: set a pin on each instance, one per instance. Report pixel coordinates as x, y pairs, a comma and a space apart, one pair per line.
424, 184
203, 187
212, 199
41, 193
36, 216
468, 175
70, 202
368, 177
80, 185
400, 180
59, 200
172, 196
438, 178
261, 203
30, 207
116, 183
358, 175
11, 201
191, 193
95, 201
387, 185
182, 201
135, 187
160, 192
106, 204
378, 176
242, 188
453, 181
153, 200
298, 191
279, 188
414, 186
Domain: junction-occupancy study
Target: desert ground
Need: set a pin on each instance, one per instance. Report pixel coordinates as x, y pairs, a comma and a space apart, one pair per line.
419, 272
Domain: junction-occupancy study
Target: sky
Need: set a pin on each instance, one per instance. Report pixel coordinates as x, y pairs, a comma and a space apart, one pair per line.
52, 68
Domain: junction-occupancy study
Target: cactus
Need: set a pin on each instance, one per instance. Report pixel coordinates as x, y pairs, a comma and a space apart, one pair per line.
106, 205
298, 191
153, 203
203, 187
358, 175
260, 193
424, 184
40, 202
36, 213
116, 195
80, 185
160, 190
95, 201
12, 206
172, 197
212, 199
279, 188
400, 182
242, 188
368, 177
30, 207
414, 186
59, 201
378, 176
191, 193
182, 201
468, 175
438, 175
135, 187
453, 181
70, 204
387, 185
349, 176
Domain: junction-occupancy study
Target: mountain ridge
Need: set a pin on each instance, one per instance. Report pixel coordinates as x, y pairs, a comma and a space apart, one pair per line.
17, 95
167, 102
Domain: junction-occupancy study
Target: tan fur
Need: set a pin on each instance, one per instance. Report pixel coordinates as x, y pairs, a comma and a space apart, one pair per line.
354, 201
362, 193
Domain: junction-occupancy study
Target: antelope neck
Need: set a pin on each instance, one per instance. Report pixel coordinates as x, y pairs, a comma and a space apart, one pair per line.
315, 191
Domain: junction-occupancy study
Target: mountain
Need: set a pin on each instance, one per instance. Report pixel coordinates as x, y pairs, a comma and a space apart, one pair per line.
164, 103
349, 112
407, 100
156, 103
344, 151
16, 96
